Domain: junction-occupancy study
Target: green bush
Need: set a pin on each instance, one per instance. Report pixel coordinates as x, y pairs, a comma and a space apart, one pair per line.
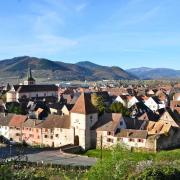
160, 173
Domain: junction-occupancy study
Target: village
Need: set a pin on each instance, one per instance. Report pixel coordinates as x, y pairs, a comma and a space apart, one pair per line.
45, 115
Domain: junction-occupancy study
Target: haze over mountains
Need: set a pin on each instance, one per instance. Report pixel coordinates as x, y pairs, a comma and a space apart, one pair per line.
84, 70
155, 73
56, 70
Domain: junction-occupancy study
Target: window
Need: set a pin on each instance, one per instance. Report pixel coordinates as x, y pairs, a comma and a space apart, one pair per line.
17, 134
140, 140
131, 140
46, 130
38, 137
108, 133
45, 136
37, 130
57, 135
121, 123
110, 140
51, 137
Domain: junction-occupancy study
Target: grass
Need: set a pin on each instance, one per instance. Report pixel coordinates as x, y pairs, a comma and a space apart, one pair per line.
168, 155
123, 163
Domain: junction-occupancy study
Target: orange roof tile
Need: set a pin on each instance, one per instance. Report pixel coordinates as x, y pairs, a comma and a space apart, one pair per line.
17, 120
83, 105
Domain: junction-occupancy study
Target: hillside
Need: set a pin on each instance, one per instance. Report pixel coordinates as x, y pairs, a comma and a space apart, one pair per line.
56, 70
155, 73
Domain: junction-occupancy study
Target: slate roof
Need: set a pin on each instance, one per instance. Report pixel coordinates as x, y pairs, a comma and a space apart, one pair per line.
83, 105
35, 88
132, 123
148, 116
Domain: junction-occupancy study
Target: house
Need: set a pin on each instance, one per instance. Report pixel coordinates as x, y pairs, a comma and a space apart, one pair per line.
159, 127
176, 97
107, 127
175, 106
66, 109
132, 138
15, 127
122, 99
170, 117
153, 103
131, 100
31, 90
162, 97
150, 92
56, 131
148, 116
31, 134
4, 124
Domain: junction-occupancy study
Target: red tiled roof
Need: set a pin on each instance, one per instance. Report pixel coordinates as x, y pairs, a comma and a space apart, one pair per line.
17, 120
83, 105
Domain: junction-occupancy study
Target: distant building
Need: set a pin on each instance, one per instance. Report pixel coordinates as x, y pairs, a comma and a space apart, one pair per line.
31, 90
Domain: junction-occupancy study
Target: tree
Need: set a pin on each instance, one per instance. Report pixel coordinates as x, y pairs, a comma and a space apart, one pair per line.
118, 107
98, 102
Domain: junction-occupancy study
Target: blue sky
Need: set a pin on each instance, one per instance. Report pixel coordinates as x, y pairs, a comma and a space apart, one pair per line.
125, 33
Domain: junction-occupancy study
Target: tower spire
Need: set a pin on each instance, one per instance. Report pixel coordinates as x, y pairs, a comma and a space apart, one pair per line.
30, 80
29, 75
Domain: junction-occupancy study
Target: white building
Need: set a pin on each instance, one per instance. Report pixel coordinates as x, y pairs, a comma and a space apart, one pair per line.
31, 90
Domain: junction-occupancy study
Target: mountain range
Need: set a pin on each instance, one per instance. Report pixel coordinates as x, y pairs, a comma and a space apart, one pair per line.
85, 70
155, 73
56, 70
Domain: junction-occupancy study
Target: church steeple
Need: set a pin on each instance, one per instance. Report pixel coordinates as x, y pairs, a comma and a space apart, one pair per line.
30, 80
29, 75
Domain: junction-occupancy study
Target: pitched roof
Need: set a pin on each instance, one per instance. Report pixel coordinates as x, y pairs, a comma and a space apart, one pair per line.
131, 133
83, 105
32, 122
4, 120
108, 122
148, 116
157, 127
132, 123
171, 117
35, 88
17, 120
56, 121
